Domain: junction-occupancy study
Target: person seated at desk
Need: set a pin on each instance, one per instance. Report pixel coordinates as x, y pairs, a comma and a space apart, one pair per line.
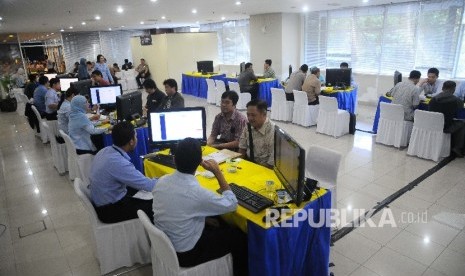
52, 99
39, 95
228, 125
31, 86
312, 86
247, 81
114, 180
448, 104
181, 206
173, 99
296, 80
268, 72
64, 108
259, 149
97, 79
430, 85
81, 128
460, 92
155, 96
345, 65
407, 94
127, 65
143, 72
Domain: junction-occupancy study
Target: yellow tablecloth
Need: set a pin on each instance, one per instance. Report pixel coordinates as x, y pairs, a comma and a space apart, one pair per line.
197, 74
251, 175
330, 89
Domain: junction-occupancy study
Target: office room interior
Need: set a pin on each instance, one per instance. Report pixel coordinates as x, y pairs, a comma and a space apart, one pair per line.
396, 210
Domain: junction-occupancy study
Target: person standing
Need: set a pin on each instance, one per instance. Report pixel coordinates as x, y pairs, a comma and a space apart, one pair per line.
103, 68
52, 99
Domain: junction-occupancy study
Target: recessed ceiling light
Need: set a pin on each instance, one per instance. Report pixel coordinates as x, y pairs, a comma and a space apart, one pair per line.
305, 9
238, 3
223, 18
71, 27
119, 10
194, 11
153, 0
142, 22
365, 1
163, 17
62, 30
52, 33
1, 18
10, 36
97, 17
47, 35
122, 26
109, 29
83, 23
197, 22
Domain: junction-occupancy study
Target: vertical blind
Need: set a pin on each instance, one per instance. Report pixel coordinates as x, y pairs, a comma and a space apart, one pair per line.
382, 39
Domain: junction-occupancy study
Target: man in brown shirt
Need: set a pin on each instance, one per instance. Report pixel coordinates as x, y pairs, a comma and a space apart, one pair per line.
312, 86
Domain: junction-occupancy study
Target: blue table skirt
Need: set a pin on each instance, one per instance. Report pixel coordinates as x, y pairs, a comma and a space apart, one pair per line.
264, 88
143, 146
301, 250
346, 100
197, 86
422, 106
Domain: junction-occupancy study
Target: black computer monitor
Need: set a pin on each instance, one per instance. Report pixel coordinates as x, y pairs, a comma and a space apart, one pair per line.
397, 77
242, 67
205, 66
168, 127
105, 95
129, 106
66, 83
82, 86
289, 164
338, 77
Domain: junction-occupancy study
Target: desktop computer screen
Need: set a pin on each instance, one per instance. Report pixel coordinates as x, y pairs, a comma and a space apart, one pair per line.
338, 77
66, 83
397, 77
105, 94
289, 164
129, 106
168, 127
205, 66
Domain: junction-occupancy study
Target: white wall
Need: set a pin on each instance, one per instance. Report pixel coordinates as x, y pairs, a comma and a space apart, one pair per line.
291, 43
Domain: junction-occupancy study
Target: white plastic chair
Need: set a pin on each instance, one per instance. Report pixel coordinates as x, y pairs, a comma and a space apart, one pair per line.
304, 114
392, 129
72, 156
165, 261
211, 92
59, 153
43, 134
84, 162
244, 97
428, 139
331, 120
281, 109
121, 244
220, 89
322, 164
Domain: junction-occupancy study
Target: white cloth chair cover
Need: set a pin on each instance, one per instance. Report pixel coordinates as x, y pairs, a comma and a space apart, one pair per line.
392, 129
220, 89
124, 84
304, 114
244, 97
131, 84
59, 153
322, 164
281, 109
43, 134
84, 162
428, 139
121, 244
211, 92
119, 75
72, 156
331, 120
129, 74
165, 261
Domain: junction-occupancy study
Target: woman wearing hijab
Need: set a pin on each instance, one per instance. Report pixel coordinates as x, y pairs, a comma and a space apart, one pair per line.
82, 70
80, 128
20, 78
103, 67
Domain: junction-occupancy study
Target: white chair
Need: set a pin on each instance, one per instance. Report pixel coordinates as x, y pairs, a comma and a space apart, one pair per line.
322, 164
392, 129
304, 114
72, 156
84, 162
244, 97
59, 153
165, 261
211, 92
428, 139
331, 120
43, 134
220, 89
281, 109
121, 244
23, 98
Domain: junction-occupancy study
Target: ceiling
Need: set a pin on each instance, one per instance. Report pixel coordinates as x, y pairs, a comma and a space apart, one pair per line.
18, 16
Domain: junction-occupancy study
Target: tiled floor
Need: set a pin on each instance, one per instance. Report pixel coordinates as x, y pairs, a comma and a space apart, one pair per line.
34, 196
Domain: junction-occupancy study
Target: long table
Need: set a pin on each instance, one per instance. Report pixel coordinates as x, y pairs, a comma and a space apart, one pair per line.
264, 88
423, 106
346, 99
195, 84
299, 250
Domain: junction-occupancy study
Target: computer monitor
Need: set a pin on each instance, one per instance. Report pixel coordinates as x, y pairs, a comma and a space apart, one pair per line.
105, 95
66, 83
168, 127
289, 164
338, 77
205, 66
129, 106
242, 67
397, 77
50, 76
82, 86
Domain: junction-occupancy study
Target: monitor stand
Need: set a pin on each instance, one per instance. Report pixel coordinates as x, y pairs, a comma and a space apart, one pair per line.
309, 186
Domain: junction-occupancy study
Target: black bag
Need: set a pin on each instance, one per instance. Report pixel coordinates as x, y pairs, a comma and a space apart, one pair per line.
352, 122
8, 105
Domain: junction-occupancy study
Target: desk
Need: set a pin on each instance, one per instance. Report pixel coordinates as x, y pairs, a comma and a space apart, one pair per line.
194, 83
143, 146
423, 106
346, 99
264, 88
272, 250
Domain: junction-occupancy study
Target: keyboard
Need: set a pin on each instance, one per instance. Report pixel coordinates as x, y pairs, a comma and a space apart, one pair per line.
249, 199
163, 159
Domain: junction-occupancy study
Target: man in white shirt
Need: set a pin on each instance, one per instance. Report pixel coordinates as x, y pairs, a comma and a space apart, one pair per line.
407, 94
430, 85
181, 207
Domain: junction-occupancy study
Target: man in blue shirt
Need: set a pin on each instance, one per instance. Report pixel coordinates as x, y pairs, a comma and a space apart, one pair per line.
39, 95
52, 99
114, 179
